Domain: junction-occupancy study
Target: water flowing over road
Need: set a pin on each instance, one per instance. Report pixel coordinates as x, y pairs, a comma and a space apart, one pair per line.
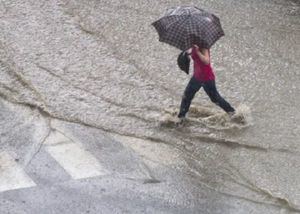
98, 65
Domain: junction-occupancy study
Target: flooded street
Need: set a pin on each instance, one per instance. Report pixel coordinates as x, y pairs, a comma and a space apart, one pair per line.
95, 70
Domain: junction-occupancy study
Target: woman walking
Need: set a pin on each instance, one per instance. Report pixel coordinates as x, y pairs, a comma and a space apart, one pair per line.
183, 27
203, 77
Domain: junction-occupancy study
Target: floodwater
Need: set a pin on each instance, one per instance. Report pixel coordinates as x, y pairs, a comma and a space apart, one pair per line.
99, 63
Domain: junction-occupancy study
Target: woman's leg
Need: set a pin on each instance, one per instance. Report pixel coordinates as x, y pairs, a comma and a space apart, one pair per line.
189, 93
215, 97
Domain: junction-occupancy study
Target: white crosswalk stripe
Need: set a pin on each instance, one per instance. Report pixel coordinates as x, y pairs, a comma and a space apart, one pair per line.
76, 161
12, 176
70, 155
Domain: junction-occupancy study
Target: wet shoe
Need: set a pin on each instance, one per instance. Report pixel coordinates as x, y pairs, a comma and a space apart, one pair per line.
231, 113
180, 121
237, 118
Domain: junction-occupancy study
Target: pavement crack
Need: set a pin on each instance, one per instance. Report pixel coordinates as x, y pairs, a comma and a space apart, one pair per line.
41, 143
276, 203
282, 201
61, 132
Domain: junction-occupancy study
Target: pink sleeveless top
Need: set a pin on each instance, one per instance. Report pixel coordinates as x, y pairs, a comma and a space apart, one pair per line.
202, 72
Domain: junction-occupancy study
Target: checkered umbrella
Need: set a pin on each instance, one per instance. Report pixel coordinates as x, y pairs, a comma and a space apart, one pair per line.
184, 26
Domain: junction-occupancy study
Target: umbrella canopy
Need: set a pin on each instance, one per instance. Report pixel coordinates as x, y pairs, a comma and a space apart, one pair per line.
184, 26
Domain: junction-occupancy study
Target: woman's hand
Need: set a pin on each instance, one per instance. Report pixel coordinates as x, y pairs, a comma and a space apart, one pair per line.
196, 47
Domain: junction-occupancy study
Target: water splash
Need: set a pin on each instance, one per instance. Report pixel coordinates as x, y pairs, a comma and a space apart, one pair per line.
209, 117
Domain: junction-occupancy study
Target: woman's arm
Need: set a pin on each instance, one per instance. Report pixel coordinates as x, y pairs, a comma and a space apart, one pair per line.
203, 54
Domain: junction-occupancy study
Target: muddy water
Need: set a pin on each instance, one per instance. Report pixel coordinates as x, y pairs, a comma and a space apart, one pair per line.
98, 63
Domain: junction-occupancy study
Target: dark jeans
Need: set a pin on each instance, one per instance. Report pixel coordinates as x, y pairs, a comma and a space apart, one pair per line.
210, 89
